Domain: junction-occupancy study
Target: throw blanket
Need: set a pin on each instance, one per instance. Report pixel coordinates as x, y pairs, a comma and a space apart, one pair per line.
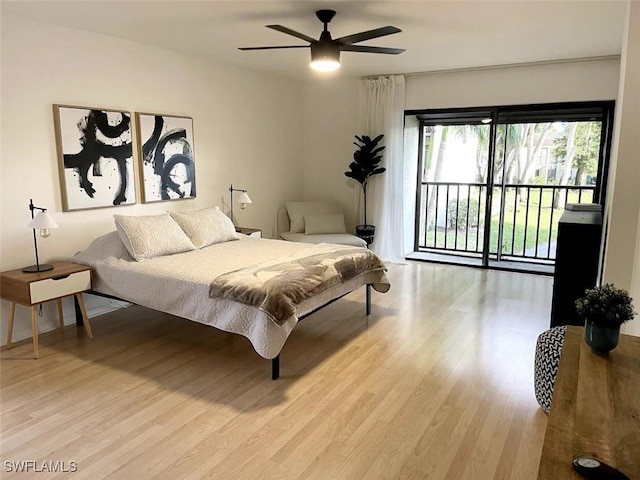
278, 288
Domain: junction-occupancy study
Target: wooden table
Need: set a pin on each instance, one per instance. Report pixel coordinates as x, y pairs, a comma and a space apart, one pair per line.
32, 289
595, 408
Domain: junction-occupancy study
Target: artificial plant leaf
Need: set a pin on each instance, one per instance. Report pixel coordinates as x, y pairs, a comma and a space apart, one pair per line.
365, 159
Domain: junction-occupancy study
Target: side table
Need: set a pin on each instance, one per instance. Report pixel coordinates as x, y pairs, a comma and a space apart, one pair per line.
595, 408
32, 289
250, 232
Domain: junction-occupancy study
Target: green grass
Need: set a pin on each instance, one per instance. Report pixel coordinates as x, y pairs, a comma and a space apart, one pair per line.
513, 230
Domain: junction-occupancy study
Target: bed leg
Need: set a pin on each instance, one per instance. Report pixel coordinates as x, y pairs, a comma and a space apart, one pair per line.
79, 318
275, 368
368, 299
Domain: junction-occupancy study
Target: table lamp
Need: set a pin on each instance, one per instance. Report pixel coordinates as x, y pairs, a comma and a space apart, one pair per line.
43, 222
243, 199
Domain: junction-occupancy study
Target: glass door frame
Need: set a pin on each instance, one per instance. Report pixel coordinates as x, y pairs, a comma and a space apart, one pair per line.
446, 118
505, 115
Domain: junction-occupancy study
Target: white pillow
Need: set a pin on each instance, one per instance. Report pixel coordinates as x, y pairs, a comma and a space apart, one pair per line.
151, 236
206, 227
297, 211
318, 223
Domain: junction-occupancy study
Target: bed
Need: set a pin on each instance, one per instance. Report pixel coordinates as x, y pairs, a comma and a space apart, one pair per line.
201, 284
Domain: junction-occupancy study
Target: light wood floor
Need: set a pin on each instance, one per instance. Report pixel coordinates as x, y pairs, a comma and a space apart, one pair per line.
435, 384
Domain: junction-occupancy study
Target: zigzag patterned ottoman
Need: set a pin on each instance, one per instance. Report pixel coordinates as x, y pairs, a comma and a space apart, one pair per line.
548, 348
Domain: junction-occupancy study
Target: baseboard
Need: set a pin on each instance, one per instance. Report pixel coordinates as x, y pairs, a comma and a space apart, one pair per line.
48, 322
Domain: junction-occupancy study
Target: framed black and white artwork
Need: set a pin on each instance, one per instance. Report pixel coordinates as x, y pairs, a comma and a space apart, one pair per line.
167, 162
95, 157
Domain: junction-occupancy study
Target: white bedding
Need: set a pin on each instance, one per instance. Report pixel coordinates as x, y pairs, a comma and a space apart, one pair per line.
179, 284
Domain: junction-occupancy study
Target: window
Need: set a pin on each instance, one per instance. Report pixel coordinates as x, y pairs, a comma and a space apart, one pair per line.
496, 189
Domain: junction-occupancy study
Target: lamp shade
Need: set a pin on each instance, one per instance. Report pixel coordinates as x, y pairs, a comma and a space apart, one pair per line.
243, 198
42, 221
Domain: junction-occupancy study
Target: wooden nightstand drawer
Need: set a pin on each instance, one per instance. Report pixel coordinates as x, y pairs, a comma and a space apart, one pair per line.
34, 288
57, 287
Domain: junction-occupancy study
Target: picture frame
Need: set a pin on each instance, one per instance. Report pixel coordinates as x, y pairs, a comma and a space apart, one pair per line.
167, 160
95, 157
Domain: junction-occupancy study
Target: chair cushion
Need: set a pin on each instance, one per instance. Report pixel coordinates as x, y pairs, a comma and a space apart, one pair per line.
318, 223
547, 359
338, 238
297, 211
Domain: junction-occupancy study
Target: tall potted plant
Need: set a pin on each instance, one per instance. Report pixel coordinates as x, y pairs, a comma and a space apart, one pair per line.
604, 309
366, 160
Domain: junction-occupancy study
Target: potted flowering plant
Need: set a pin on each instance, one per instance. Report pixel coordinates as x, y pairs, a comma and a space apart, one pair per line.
604, 309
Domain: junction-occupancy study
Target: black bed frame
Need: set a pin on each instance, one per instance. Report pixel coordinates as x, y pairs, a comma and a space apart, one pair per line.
275, 362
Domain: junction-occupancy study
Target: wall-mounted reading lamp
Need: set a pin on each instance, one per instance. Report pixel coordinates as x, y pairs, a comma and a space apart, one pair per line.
43, 222
243, 199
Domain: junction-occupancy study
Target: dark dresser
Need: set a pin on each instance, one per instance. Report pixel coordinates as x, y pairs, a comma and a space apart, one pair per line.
577, 263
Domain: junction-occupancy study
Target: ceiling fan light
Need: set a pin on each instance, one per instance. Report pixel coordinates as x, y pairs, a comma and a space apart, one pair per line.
325, 65
325, 57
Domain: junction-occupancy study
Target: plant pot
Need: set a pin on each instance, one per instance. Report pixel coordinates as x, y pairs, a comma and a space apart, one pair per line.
601, 339
366, 233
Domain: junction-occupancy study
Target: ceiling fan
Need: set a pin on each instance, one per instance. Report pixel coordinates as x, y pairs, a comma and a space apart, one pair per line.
325, 52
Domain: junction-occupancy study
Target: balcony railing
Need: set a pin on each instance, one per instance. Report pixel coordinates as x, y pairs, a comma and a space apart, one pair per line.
524, 218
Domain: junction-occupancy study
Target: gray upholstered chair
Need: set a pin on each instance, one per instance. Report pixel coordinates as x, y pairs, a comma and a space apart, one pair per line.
314, 217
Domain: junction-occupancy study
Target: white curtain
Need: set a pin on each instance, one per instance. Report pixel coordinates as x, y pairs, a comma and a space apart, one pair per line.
382, 112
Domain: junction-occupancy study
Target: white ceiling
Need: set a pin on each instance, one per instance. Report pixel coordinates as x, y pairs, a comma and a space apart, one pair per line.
438, 35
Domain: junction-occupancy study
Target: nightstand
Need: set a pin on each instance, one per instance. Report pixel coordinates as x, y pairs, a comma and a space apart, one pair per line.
32, 289
250, 232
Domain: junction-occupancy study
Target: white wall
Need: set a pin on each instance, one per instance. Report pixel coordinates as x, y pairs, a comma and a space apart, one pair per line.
329, 125
623, 205
331, 110
556, 82
247, 132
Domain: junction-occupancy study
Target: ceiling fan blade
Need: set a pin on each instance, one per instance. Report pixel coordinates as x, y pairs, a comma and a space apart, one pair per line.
273, 48
368, 35
288, 31
365, 49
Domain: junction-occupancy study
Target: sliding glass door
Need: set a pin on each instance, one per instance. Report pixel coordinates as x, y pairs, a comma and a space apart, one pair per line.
493, 183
